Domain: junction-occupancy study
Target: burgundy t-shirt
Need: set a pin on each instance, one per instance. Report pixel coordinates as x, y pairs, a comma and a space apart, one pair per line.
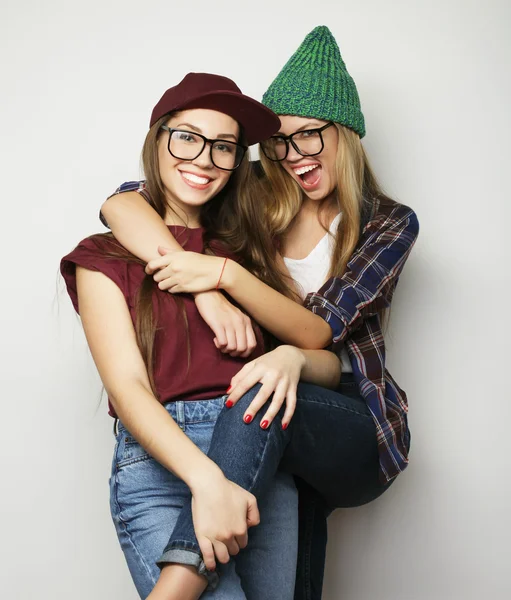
209, 372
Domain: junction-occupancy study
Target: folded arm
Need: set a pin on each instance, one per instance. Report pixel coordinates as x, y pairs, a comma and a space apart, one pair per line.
140, 229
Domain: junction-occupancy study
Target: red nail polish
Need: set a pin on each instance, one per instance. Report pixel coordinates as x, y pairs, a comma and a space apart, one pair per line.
264, 424
284, 426
248, 419
229, 404
229, 389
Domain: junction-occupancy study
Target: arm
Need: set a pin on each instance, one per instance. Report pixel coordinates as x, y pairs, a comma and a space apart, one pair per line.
372, 273
112, 341
140, 229
137, 226
321, 367
289, 321
364, 289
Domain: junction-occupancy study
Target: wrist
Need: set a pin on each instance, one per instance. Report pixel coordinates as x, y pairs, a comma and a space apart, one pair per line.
204, 478
296, 354
229, 276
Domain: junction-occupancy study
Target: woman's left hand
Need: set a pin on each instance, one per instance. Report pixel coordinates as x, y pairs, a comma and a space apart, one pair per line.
279, 373
190, 272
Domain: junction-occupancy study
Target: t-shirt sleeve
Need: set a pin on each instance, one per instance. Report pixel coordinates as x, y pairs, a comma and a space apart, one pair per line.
128, 186
91, 254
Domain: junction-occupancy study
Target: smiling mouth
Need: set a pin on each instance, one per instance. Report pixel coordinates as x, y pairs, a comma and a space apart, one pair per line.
309, 175
200, 182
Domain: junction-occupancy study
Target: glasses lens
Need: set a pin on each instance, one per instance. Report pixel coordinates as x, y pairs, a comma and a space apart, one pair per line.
186, 145
308, 142
275, 148
227, 155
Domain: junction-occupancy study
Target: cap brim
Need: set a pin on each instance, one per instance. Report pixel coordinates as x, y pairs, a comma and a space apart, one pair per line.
258, 122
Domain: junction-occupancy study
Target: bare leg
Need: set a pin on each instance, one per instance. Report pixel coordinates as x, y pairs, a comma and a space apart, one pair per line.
178, 582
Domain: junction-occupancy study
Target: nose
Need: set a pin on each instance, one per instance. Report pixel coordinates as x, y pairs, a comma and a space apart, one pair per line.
204, 159
292, 154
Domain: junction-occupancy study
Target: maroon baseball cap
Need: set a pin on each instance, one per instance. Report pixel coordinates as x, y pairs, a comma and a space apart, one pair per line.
204, 90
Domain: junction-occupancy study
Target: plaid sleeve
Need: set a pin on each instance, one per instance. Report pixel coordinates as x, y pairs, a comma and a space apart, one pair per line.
128, 186
371, 273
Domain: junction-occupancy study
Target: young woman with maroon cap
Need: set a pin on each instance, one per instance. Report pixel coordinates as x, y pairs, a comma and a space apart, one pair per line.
344, 244
164, 375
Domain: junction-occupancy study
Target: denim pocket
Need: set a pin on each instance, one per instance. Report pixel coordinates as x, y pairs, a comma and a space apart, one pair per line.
129, 451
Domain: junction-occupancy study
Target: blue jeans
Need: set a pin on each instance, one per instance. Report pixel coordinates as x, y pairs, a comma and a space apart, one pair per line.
146, 500
330, 445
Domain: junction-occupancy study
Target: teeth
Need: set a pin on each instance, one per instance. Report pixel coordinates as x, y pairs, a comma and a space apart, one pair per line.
195, 178
302, 170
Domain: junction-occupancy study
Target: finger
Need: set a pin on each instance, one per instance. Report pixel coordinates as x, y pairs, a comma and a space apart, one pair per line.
290, 406
260, 400
208, 554
162, 250
279, 397
251, 340
241, 374
242, 540
253, 517
241, 339
162, 274
231, 341
232, 546
156, 264
247, 383
169, 284
221, 552
221, 338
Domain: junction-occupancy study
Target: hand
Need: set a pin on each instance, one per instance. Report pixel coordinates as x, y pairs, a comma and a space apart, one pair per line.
190, 272
279, 373
222, 512
233, 330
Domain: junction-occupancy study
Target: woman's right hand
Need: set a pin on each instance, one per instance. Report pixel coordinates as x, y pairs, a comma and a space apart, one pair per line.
234, 334
222, 513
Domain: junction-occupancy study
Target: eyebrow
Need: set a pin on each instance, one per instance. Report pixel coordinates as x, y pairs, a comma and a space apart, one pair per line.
303, 128
198, 130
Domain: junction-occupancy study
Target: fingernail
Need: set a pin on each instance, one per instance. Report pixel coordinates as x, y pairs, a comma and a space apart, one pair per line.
248, 419
229, 404
284, 426
229, 389
264, 424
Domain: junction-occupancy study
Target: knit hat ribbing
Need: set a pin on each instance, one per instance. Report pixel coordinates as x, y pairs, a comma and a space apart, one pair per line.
315, 83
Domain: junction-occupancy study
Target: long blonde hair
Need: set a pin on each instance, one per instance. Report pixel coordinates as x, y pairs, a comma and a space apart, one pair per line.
357, 191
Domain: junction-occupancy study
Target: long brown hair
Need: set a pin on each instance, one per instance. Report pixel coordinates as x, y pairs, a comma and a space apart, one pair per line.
234, 218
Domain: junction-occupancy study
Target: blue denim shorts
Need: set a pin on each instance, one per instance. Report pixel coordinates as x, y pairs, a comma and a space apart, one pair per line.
146, 499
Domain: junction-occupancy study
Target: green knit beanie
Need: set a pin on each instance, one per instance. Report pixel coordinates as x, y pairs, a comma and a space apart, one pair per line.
315, 83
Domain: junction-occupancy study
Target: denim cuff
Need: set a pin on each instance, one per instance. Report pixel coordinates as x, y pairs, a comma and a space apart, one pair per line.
184, 553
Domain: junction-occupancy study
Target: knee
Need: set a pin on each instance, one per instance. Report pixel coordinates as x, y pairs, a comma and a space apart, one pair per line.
242, 404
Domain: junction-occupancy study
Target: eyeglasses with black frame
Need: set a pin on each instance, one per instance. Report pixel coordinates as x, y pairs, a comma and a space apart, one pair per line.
308, 142
188, 145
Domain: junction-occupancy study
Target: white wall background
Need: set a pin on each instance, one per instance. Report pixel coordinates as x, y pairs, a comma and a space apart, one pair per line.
78, 81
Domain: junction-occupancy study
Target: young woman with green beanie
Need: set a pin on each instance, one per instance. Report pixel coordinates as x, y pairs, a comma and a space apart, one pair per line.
341, 245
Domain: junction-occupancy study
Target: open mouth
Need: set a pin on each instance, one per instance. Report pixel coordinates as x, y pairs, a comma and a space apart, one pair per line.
309, 175
196, 181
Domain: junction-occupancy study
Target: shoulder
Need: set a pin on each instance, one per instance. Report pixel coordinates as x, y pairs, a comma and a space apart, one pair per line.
384, 213
100, 253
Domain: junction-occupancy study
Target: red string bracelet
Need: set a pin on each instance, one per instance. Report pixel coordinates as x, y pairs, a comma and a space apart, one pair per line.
221, 273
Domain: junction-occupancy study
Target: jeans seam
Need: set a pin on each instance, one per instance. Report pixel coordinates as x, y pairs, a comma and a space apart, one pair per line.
126, 529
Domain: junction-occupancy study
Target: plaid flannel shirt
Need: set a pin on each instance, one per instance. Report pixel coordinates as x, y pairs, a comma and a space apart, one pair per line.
352, 306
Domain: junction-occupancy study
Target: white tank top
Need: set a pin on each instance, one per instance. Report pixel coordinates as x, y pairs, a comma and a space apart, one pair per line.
311, 272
